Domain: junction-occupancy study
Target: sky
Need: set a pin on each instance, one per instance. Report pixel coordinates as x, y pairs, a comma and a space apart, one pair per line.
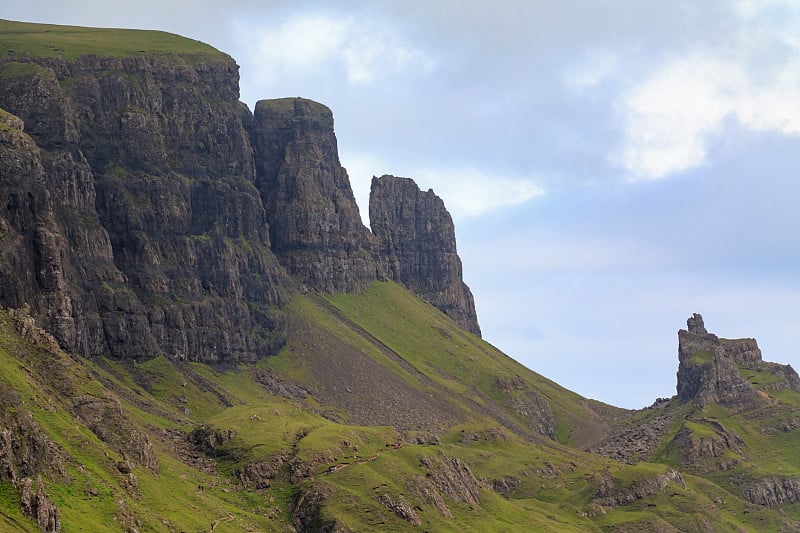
612, 166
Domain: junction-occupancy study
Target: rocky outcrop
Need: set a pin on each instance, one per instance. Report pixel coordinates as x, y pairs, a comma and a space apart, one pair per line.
132, 208
506, 485
401, 508
710, 371
452, 477
418, 246
708, 368
713, 440
695, 324
530, 406
25, 450
636, 442
209, 440
772, 491
315, 226
38, 505
260, 474
308, 511
423, 490
611, 494
107, 419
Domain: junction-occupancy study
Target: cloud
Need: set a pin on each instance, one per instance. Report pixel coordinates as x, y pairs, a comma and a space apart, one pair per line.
369, 56
749, 9
301, 43
364, 49
776, 105
467, 192
470, 192
671, 116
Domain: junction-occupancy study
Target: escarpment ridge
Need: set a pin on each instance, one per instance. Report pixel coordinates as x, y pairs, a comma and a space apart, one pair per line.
197, 332
166, 218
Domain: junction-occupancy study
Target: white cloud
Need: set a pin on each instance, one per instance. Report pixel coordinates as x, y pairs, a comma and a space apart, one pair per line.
672, 114
466, 192
469, 192
364, 49
749, 9
298, 44
368, 56
775, 106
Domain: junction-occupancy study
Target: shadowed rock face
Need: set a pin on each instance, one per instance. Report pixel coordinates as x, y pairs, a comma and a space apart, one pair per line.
418, 246
772, 491
146, 211
315, 225
708, 370
130, 206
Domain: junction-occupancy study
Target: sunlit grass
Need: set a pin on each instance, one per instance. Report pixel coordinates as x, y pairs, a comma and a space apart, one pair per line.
48, 40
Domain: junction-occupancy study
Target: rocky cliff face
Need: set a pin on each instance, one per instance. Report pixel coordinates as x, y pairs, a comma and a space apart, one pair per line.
772, 491
146, 211
709, 369
418, 246
610, 494
137, 177
315, 226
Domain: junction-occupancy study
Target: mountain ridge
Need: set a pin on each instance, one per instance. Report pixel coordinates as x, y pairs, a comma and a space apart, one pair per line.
165, 207
198, 332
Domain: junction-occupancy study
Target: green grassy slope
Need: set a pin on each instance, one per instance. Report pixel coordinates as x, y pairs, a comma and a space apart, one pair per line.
70, 42
221, 435
462, 363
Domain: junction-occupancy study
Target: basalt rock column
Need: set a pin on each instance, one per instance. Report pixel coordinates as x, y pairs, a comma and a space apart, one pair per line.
418, 246
315, 227
129, 213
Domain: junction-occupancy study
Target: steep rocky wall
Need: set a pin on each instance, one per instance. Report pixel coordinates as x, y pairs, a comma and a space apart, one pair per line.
136, 179
709, 369
706, 373
418, 246
146, 211
314, 222
33, 245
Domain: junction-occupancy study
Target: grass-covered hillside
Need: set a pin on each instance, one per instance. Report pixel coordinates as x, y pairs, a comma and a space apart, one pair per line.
380, 414
70, 42
195, 253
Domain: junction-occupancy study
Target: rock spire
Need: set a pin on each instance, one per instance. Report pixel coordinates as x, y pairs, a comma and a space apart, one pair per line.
315, 226
709, 369
418, 246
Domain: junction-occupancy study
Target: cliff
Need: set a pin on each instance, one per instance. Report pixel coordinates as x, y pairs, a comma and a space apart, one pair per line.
138, 184
147, 211
148, 218
710, 369
315, 226
418, 246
